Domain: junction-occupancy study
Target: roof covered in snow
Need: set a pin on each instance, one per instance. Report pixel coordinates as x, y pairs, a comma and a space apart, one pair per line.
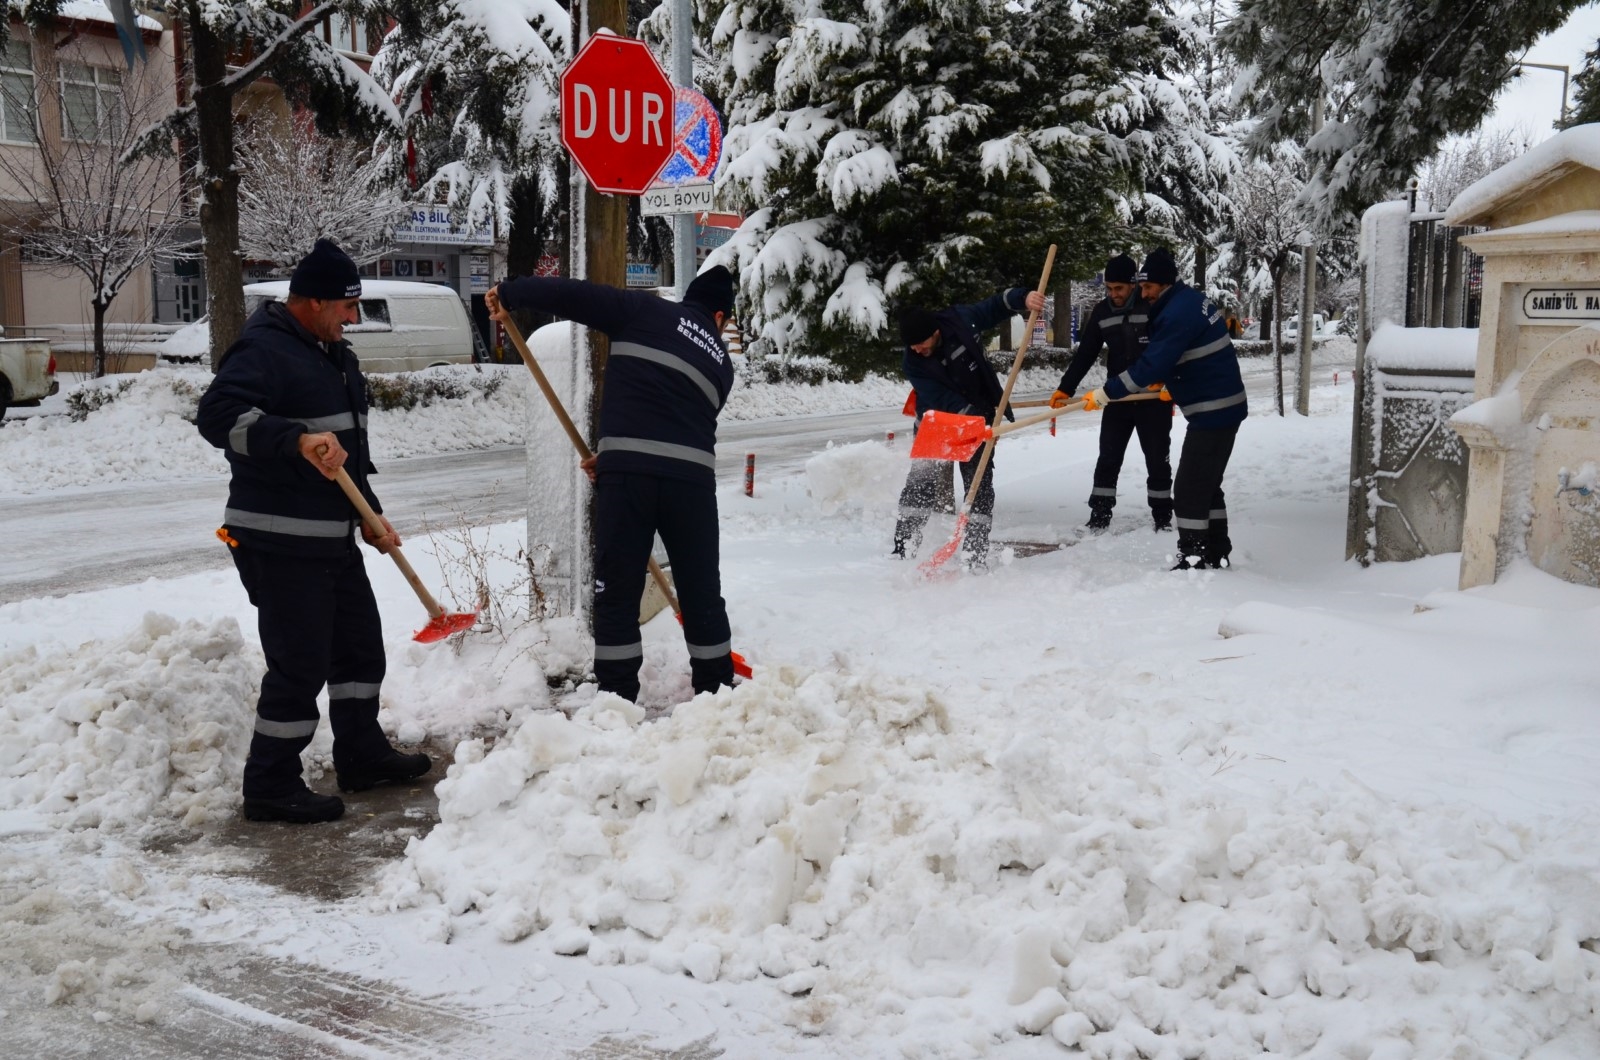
96, 11
1558, 176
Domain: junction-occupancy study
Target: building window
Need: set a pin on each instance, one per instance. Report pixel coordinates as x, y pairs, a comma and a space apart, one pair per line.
90, 102
16, 93
352, 35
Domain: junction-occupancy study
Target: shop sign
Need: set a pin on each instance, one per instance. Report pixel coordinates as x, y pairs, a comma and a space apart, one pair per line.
439, 225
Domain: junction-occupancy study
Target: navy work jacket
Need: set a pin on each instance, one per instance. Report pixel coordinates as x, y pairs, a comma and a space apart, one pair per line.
666, 379
276, 383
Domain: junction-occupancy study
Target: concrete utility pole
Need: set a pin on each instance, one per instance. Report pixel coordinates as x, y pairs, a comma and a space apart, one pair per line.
683, 264
1308, 298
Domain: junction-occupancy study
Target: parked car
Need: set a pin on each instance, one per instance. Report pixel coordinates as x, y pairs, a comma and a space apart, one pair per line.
403, 327
1291, 325
27, 372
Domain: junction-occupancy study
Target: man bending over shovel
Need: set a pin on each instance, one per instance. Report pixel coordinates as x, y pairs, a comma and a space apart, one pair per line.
654, 469
945, 364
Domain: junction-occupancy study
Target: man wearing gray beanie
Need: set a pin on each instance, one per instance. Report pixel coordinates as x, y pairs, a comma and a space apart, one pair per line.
289, 393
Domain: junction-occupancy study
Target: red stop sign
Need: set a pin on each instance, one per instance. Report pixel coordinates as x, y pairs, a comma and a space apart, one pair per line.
616, 114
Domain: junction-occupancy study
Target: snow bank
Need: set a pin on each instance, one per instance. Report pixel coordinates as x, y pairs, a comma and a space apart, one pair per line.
146, 433
141, 732
902, 867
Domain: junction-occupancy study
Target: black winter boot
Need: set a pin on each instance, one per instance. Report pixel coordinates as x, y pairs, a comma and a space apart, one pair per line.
1099, 520
1161, 518
1191, 551
394, 768
300, 807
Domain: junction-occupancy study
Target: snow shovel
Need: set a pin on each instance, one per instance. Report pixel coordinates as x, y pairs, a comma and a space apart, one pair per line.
740, 667
948, 549
441, 623
952, 436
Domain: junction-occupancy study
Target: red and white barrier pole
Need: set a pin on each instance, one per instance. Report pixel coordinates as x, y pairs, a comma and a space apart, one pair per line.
889, 437
750, 475
1052, 428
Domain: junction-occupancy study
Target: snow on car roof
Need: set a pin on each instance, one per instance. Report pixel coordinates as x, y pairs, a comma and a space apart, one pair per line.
279, 289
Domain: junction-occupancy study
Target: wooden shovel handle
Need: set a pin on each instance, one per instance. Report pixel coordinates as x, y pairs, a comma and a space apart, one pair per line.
375, 525
1011, 380
1071, 406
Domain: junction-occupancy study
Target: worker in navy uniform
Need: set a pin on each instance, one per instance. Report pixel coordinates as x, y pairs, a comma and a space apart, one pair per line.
946, 366
288, 407
1117, 325
654, 468
1191, 352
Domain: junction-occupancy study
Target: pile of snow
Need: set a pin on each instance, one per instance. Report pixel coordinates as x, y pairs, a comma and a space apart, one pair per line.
863, 476
901, 866
144, 731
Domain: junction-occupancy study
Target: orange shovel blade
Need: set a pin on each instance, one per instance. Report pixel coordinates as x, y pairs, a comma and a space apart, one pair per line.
949, 436
946, 550
447, 623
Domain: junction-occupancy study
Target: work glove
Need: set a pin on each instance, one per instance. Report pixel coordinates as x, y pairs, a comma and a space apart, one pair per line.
1166, 395
1095, 399
1059, 399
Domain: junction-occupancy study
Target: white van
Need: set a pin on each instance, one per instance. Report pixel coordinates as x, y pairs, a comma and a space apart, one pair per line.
1291, 325
404, 326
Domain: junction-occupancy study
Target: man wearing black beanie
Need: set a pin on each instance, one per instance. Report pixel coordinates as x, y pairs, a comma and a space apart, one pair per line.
654, 467
1117, 325
289, 393
945, 364
1191, 352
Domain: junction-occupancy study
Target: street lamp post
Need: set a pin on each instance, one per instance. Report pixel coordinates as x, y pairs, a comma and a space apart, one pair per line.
1566, 76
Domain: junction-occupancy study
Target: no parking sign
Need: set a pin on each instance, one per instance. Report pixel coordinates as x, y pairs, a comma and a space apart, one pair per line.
684, 183
696, 139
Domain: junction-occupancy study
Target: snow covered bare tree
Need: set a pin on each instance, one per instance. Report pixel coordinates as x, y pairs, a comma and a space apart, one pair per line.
296, 187
1398, 76
231, 44
1267, 234
73, 203
889, 153
1464, 161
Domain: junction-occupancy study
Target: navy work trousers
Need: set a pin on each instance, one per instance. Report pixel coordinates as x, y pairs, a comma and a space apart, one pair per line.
1153, 421
1200, 510
319, 626
919, 498
630, 510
